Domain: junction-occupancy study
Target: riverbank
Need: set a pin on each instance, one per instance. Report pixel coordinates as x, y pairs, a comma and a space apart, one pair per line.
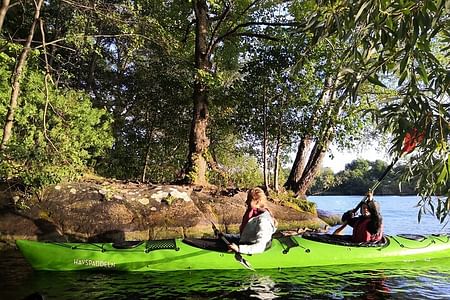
111, 210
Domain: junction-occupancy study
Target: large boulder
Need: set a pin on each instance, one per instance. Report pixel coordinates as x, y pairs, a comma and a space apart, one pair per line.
114, 210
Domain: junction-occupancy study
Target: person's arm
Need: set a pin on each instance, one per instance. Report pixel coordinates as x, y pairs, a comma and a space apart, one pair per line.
348, 218
340, 229
263, 236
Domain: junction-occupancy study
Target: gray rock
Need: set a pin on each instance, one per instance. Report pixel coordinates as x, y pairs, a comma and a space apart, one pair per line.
134, 211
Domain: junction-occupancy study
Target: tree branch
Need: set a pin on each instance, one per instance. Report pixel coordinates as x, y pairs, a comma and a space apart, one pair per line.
249, 24
258, 35
15, 84
46, 78
222, 17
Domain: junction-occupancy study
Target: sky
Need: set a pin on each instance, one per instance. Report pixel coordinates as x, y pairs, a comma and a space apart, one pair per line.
341, 157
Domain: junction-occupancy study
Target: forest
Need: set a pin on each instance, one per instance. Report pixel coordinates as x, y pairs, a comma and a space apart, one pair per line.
358, 177
224, 92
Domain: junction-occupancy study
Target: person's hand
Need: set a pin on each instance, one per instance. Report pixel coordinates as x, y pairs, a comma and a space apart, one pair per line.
216, 231
233, 247
369, 196
347, 215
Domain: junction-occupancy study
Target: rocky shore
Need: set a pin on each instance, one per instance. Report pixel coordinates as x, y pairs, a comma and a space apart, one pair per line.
114, 211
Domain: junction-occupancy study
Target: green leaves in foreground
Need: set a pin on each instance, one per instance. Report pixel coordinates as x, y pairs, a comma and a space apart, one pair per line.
54, 138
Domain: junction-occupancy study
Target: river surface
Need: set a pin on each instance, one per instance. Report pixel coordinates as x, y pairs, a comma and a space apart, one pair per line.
412, 280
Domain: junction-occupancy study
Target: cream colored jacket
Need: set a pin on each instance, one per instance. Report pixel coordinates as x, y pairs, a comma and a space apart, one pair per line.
257, 233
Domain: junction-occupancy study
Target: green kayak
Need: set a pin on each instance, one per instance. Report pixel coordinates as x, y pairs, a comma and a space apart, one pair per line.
204, 254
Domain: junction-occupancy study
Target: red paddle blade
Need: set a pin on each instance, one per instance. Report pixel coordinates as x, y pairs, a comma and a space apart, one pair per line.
412, 138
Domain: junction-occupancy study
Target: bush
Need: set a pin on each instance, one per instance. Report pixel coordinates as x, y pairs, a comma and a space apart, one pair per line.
53, 139
288, 199
239, 172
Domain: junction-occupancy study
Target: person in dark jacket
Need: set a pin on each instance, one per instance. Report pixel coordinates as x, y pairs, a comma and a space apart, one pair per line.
368, 227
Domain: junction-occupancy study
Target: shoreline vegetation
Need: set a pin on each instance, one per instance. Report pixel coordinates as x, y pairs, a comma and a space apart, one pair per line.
112, 198
223, 93
358, 177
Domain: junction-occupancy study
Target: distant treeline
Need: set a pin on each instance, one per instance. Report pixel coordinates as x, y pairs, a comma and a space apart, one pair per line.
359, 176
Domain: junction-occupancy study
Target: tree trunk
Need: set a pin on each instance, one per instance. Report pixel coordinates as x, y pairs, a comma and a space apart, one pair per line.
148, 151
311, 151
314, 164
7, 130
276, 169
298, 166
320, 147
91, 76
3, 10
198, 140
265, 145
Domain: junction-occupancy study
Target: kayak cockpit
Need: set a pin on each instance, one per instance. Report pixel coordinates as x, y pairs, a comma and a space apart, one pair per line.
212, 244
343, 240
126, 244
207, 244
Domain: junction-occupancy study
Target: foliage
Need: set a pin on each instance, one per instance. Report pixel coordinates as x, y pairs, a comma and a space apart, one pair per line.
359, 176
53, 139
238, 170
323, 182
151, 129
288, 199
406, 41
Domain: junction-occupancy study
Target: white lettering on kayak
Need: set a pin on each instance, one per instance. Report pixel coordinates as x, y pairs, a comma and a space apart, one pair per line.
94, 263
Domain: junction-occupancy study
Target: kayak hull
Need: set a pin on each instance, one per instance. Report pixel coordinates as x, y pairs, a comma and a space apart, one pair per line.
176, 255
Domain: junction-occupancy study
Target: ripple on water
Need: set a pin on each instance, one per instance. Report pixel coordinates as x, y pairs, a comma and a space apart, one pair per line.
413, 280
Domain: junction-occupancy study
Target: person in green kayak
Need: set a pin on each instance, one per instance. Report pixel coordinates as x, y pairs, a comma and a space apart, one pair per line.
368, 227
257, 227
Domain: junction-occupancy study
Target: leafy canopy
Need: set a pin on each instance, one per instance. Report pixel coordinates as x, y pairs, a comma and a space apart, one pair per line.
55, 138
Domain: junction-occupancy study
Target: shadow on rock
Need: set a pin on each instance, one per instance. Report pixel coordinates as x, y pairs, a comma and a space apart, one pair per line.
112, 236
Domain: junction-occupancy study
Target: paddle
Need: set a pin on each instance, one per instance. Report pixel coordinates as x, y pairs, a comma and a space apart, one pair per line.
412, 138
237, 255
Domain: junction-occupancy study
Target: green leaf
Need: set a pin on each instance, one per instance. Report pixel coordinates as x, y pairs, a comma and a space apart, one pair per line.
404, 62
448, 164
402, 78
443, 176
431, 6
389, 23
423, 73
375, 80
361, 9
419, 216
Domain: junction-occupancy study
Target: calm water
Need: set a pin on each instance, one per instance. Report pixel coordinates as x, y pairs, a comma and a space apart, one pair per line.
418, 280
399, 213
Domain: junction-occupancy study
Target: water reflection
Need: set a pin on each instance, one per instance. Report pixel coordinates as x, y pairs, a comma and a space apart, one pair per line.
260, 287
418, 280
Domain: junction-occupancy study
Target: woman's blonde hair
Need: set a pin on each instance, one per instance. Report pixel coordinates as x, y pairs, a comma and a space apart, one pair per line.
258, 195
261, 199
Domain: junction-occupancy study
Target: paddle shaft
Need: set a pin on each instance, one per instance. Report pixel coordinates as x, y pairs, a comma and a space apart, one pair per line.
227, 242
222, 237
377, 183
410, 142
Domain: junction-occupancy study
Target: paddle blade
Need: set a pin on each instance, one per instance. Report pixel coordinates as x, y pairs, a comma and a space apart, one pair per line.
242, 260
412, 138
216, 231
